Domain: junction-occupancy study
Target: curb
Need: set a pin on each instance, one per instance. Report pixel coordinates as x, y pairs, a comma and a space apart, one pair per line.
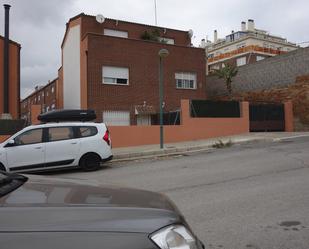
132, 156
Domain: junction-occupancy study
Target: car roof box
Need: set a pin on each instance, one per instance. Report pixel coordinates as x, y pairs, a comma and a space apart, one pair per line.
67, 115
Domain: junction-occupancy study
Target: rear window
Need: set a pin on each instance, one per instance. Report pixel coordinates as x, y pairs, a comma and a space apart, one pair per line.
88, 131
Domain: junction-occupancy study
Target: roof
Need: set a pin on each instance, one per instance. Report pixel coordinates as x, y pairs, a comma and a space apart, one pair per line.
40, 89
11, 41
110, 19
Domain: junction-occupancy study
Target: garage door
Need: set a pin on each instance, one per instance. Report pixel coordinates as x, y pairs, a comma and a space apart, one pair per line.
116, 118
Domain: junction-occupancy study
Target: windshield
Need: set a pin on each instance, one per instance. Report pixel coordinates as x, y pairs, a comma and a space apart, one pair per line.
10, 182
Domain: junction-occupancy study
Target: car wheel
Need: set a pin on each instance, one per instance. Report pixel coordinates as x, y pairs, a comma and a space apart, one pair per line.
2, 168
90, 162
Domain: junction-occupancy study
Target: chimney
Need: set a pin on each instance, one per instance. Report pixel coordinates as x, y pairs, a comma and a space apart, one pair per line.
6, 60
215, 36
251, 25
243, 26
203, 43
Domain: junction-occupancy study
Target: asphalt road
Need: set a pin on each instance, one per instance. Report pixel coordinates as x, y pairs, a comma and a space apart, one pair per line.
253, 195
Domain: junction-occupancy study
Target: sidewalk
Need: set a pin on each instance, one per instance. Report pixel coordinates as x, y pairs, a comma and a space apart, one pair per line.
153, 151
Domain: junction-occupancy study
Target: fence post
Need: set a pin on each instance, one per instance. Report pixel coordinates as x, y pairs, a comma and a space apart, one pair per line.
288, 116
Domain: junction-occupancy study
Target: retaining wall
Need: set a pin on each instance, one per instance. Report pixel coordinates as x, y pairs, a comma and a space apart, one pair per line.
274, 72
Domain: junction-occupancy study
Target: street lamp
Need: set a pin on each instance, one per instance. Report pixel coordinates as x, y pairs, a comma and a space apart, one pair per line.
162, 54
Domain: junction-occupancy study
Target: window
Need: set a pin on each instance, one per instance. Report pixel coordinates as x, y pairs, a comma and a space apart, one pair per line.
241, 61
115, 75
46, 93
166, 40
52, 107
60, 133
39, 98
52, 89
259, 58
29, 137
88, 131
116, 33
185, 80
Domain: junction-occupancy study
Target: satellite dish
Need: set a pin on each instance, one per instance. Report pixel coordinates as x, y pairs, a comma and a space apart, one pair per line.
190, 33
100, 18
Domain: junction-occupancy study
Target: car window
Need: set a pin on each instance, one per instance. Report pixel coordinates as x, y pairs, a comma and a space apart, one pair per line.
29, 137
60, 133
87, 131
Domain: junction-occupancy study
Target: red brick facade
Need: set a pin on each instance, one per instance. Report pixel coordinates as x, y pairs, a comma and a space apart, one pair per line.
14, 78
45, 96
142, 60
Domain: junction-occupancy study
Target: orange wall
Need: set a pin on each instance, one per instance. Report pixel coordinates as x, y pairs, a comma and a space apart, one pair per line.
289, 116
3, 138
35, 111
14, 73
190, 129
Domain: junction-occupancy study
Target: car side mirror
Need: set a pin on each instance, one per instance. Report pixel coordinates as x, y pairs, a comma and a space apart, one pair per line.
10, 143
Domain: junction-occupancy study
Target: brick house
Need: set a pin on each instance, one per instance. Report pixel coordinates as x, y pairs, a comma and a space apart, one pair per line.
45, 96
14, 78
112, 66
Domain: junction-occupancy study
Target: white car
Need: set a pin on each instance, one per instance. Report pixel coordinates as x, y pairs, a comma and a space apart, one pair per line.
55, 146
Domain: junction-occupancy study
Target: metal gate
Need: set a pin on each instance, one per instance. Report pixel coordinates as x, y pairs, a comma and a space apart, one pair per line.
266, 117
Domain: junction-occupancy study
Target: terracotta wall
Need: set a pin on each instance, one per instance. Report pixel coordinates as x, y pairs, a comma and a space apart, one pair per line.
190, 129
3, 138
36, 110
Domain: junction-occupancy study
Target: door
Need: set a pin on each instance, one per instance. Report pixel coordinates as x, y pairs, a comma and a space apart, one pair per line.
62, 147
28, 151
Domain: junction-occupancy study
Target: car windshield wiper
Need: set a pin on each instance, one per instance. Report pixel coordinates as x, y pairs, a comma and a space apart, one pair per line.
9, 182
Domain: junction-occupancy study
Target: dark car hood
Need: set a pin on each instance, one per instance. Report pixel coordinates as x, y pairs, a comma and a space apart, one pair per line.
57, 205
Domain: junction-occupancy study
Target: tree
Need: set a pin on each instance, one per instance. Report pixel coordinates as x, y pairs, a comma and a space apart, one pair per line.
227, 73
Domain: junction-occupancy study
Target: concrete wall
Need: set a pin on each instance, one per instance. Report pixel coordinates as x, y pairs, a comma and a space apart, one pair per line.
297, 94
278, 71
189, 130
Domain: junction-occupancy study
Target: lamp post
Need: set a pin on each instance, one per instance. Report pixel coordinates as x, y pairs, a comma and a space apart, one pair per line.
162, 54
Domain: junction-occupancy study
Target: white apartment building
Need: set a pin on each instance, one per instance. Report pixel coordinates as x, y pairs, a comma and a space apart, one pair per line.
243, 47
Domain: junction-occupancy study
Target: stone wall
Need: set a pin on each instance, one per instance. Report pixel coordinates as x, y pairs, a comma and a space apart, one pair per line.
298, 93
278, 71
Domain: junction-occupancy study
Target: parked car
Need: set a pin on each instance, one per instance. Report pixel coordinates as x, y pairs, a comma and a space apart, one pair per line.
55, 146
47, 213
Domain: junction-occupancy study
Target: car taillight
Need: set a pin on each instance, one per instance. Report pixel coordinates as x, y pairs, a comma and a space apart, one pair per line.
106, 137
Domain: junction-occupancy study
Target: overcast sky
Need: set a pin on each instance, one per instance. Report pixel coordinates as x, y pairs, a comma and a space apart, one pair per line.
39, 25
